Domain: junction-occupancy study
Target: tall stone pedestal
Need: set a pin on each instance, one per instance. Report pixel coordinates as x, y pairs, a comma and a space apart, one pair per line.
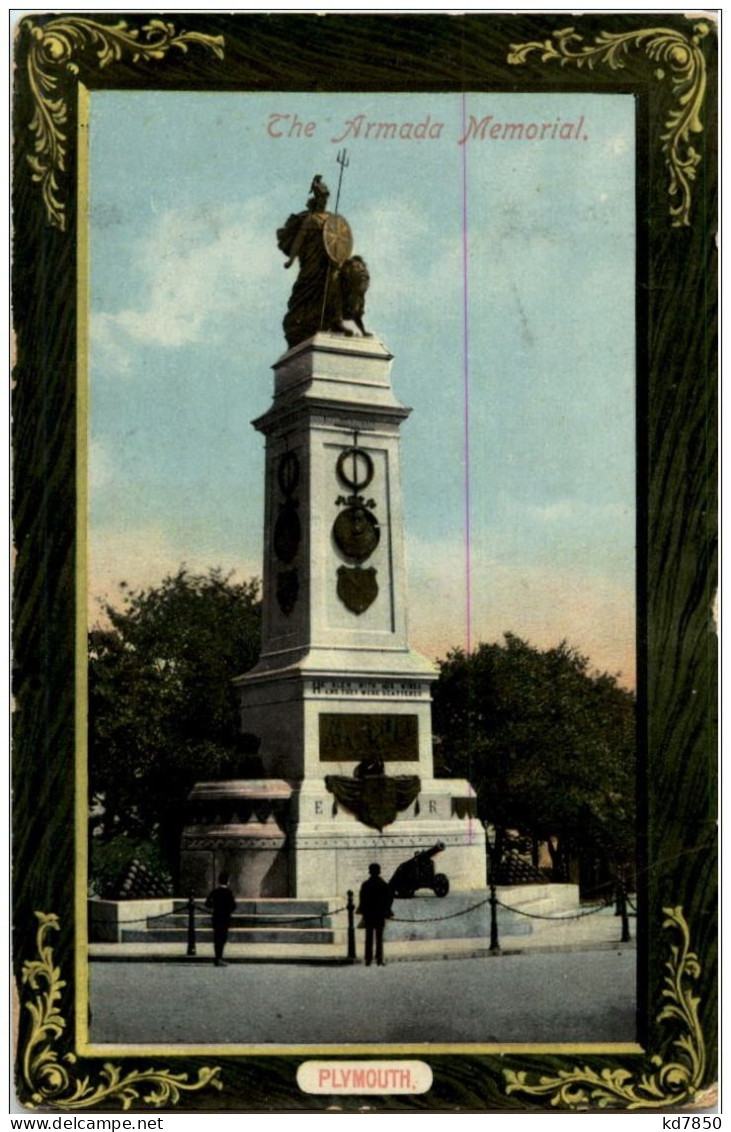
340, 702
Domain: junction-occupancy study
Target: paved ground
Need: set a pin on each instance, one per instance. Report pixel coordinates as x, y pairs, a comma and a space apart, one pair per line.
577, 996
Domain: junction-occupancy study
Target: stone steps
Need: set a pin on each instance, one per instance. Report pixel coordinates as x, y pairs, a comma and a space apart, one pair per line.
236, 935
270, 920
254, 922
280, 906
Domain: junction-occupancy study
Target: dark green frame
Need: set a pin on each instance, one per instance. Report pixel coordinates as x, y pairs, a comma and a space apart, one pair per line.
663, 58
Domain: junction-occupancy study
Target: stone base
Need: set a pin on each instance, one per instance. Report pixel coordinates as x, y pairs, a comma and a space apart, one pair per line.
462, 915
331, 850
329, 862
316, 848
108, 919
253, 855
237, 827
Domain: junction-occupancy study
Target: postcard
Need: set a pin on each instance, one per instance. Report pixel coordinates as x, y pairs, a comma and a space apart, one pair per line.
364, 607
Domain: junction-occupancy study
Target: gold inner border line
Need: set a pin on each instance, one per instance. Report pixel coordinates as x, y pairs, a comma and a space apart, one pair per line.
345, 1051
81, 950
81, 958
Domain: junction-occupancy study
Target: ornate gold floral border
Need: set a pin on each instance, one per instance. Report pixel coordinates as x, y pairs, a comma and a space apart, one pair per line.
670, 1082
50, 1079
54, 45
56, 42
666, 48
677, 1079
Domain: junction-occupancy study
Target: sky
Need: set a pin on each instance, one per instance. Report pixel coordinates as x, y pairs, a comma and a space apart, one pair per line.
502, 281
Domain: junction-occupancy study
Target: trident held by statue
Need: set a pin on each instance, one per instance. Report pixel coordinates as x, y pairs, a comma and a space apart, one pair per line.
343, 162
338, 243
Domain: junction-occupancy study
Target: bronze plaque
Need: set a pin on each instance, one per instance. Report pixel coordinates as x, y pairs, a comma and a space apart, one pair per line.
350, 738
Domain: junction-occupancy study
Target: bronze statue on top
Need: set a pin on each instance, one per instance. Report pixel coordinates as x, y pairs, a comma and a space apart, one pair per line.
331, 284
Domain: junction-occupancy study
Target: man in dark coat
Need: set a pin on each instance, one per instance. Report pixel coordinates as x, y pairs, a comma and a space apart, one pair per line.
222, 904
374, 905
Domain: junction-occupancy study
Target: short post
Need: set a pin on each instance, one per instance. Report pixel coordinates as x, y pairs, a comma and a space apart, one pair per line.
351, 926
491, 860
622, 909
191, 925
494, 941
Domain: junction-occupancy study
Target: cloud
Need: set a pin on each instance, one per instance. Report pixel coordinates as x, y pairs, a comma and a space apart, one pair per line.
595, 614
395, 226
577, 511
109, 345
198, 269
618, 144
202, 272
141, 557
100, 466
402, 249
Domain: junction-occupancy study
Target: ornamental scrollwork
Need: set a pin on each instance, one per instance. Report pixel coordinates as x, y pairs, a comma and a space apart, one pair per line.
51, 1079
671, 1081
54, 46
666, 48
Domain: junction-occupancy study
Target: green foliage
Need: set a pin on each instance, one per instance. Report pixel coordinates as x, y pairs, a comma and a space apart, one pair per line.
163, 713
548, 745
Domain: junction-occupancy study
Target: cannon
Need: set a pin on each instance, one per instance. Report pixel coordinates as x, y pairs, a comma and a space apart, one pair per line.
419, 872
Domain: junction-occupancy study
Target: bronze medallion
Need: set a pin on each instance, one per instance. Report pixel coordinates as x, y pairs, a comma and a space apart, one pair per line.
356, 533
357, 589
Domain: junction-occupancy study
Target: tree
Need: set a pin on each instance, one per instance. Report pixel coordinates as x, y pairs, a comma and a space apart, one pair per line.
548, 746
163, 713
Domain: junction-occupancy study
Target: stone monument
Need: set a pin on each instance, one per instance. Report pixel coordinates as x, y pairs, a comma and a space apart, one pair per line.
339, 701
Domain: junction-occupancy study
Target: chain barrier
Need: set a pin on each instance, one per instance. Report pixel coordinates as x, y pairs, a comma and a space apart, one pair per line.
507, 907
573, 916
207, 912
435, 919
301, 919
144, 919
271, 920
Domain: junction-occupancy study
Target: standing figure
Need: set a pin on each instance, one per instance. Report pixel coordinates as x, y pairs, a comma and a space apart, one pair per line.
315, 303
374, 905
222, 904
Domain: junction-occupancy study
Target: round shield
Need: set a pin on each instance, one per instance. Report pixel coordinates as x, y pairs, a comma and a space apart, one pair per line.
337, 238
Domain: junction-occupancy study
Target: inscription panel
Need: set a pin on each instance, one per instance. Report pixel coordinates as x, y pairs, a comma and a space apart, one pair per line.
401, 689
351, 738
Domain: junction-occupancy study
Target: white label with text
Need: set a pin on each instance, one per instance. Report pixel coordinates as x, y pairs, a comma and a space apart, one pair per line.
364, 1077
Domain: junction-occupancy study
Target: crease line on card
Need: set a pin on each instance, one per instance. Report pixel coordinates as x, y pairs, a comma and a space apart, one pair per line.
466, 418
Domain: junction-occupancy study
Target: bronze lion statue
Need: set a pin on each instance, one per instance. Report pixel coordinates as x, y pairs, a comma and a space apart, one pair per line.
354, 280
